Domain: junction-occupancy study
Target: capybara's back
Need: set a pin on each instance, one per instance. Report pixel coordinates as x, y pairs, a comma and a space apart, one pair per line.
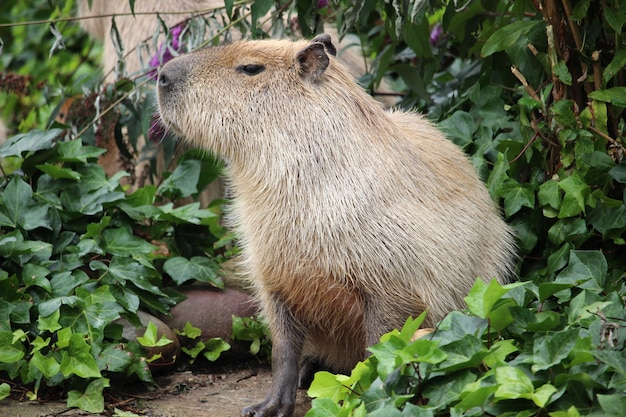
351, 218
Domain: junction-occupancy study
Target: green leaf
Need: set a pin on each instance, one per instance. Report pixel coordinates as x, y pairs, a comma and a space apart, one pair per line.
516, 196
617, 63
121, 241
11, 351
459, 127
475, 395
606, 219
326, 385
123, 269
551, 349
586, 268
576, 193
33, 141
194, 351
150, 337
75, 151
35, 275
189, 331
613, 95
483, 296
50, 322
512, 383
5, 390
183, 182
547, 289
17, 208
92, 399
48, 366
214, 348
465, 353
506, 36
618, 172
613, 404
197, 268
323, 407
550, 195
58, 172
562, 72
78, 360
542, 395
115, 358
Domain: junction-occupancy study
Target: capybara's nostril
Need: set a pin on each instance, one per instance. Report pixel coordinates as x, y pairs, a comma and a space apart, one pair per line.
164, 80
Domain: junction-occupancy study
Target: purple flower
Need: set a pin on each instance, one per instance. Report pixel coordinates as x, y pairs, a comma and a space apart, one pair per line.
436, 35
163, 56
322, 3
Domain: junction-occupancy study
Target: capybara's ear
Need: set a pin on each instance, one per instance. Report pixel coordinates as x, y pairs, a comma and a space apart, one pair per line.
312, 61
328, 43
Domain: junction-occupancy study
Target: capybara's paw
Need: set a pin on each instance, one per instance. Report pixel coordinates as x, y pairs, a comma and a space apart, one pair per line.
270, 407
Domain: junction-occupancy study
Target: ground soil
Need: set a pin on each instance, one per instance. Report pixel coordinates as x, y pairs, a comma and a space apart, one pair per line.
192, 393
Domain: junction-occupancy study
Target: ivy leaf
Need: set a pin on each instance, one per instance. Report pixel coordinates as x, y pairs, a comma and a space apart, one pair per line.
323, 407
198, 268
58, 172
189, 331
48, 366
150, 338
465, 353
516, 196
11, 351
120, 241
551, 349
18, 209
78, 360
606, 219
115, 358
618, 172
576, 193
550, 195
512, 383
482, 297
33, 141
612, 404
459, 127
5, 390
35, 275
586, 268
214, 348
75, 151
92, 399
183, 182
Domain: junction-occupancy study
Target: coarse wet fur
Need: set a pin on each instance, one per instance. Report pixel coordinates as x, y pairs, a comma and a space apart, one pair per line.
350, 218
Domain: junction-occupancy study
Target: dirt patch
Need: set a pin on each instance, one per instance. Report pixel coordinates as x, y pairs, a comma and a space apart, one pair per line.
178, 394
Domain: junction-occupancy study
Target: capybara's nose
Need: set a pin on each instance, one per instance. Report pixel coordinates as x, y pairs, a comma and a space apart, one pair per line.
171, 75
167, 77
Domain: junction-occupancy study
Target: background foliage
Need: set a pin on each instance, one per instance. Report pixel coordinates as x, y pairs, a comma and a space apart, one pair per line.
533, 92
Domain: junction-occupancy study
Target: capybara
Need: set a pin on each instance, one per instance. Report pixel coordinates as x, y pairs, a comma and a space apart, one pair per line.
350, 218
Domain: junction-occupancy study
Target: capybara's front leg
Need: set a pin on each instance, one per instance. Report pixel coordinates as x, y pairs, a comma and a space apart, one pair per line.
287, 342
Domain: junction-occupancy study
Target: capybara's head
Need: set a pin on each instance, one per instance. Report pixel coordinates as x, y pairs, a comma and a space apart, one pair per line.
220, 95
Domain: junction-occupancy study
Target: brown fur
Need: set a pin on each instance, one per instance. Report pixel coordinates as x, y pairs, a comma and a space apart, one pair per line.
351, 218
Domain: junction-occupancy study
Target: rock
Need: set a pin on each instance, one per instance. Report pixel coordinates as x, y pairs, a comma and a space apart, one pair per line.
211, 311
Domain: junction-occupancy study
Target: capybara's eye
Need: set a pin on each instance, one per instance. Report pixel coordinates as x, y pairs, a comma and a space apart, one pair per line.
250, 69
